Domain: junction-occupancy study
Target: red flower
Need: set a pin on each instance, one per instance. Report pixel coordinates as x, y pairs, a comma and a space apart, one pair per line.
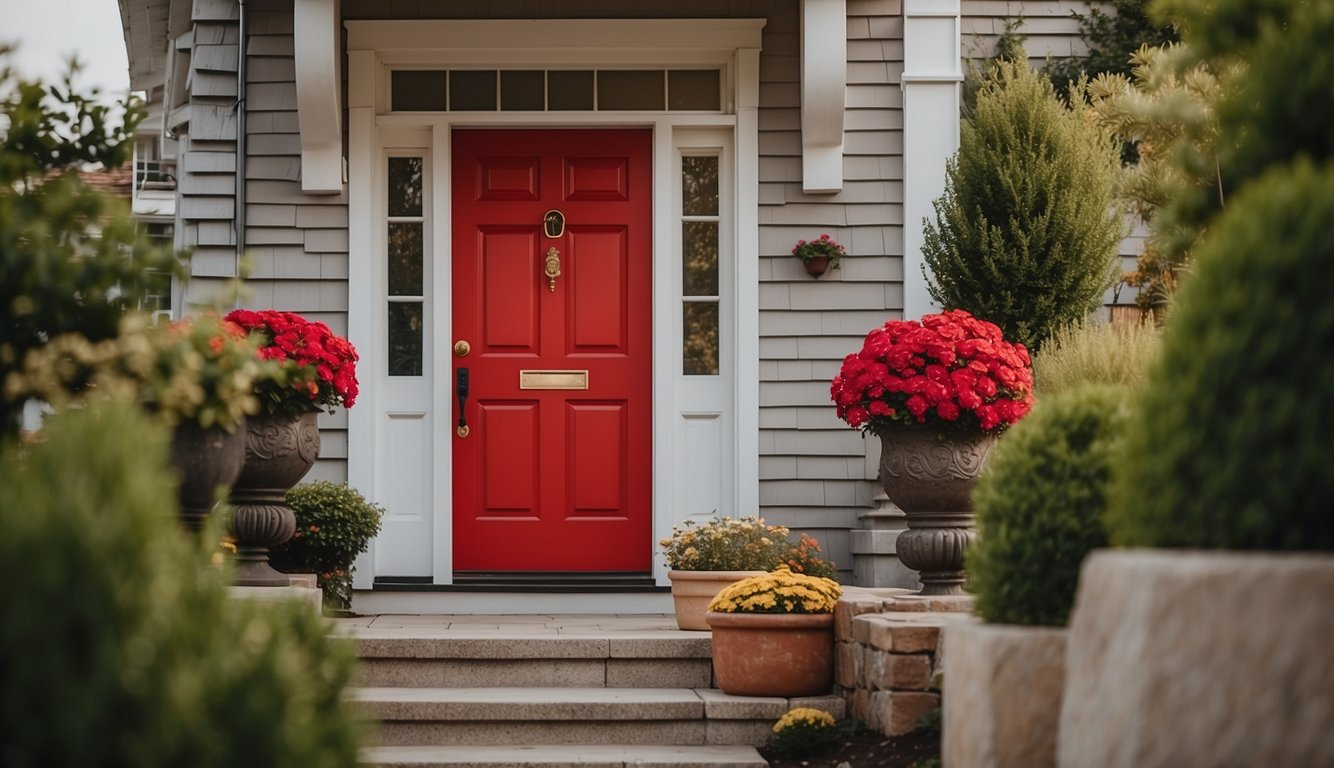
949, 368
318, 367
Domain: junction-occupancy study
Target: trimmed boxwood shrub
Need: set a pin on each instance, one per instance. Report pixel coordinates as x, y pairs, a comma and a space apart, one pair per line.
1232, 443
119, 642
1040, 504
1026, 233
334, 524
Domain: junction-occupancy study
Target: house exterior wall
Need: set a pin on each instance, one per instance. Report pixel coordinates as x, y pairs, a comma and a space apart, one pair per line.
816, 474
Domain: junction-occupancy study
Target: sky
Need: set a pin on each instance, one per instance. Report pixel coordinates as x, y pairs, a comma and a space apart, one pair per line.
48, 31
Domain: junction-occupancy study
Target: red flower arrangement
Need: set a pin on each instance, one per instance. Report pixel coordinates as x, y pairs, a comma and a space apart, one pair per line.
950, 369
316, 368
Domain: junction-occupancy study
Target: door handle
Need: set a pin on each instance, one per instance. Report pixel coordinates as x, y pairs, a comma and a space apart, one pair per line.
461, 390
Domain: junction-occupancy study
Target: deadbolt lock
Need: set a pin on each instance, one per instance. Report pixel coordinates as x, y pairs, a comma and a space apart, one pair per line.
462, 348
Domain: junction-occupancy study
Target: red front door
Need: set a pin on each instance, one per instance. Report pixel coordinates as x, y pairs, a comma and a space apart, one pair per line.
554, 472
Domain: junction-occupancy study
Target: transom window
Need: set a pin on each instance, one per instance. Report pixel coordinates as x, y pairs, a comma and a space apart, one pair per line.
555, 90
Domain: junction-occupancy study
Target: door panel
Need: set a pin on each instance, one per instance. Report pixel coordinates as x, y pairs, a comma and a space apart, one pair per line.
555, 470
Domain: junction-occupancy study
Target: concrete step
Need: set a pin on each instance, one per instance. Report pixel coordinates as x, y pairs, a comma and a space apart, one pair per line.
633, 660
564, 756
575, 715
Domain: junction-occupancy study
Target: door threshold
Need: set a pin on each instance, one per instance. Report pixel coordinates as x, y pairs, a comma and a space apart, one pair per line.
526, 581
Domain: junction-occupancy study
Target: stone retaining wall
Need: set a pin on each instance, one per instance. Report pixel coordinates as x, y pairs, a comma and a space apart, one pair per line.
887, 659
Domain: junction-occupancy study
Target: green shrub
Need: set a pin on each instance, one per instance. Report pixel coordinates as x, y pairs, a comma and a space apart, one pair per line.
1095, 352
1040, 504
1027, 231
1231, 443
119, 644
334, 524
71, 259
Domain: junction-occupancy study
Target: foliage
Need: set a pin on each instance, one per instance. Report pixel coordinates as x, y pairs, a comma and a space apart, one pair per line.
742, 544
804, 557
1274, 61
779, 591
822, 247
1230, 446
120, 646
1026, 233
1164, 108
805, 732
1111, 38
71, 260
334, 524
949, 369
1040, 504
1095, 352
318, 367
200, 369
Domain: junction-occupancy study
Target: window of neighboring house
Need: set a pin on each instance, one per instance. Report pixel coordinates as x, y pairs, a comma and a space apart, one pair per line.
157, 301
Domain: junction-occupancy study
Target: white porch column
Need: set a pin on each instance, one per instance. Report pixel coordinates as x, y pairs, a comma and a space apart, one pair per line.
932, 74
824, 77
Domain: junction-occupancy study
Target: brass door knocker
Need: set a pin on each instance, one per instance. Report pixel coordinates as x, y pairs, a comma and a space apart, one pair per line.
552, 268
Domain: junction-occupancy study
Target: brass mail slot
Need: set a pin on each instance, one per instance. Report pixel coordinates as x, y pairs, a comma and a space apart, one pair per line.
553, 379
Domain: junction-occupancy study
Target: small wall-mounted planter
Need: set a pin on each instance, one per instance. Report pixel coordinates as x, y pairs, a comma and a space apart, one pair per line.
819, 255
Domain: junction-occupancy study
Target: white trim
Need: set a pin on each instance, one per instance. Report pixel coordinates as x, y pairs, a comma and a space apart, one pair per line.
318, 82
362, 318
932, 72
824, 79
731, 44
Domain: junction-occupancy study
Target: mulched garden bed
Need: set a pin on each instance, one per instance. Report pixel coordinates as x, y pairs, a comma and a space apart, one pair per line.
869, 749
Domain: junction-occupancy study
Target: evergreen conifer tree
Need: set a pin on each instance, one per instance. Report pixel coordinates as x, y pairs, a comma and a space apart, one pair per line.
1027, 231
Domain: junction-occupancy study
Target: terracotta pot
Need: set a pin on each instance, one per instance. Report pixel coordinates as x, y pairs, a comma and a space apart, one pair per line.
817, 266
692, 591
773, 654
930, 475
207, 459
279, 452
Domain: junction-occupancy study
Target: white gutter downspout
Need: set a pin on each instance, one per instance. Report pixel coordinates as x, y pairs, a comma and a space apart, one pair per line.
824, 78
316, 41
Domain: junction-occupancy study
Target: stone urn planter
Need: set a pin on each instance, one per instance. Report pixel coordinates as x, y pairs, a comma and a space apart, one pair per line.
206, 459
1187, 657
279, 451
773, 654
1002, 694
692, 591
930, 475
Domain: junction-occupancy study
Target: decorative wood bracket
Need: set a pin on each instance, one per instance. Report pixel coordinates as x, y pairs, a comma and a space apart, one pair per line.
318, 82
824, 76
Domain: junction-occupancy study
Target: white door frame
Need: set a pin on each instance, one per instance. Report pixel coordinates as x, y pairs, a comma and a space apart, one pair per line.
733, 45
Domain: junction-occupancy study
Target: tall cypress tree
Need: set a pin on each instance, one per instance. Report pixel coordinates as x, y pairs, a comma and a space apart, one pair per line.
1026, 233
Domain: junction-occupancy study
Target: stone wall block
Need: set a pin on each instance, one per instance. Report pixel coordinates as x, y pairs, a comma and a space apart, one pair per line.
846, 658
1199, 658
906, 710
1002, 695
903, 672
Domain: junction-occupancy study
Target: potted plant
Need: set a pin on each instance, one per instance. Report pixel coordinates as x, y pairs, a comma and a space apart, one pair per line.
1039, 508
334, 524
197, 375
314, 369
705, 558
818, 255
773, 634
936, 392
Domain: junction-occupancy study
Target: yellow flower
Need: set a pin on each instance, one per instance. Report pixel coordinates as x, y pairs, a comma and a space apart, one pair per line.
807, 716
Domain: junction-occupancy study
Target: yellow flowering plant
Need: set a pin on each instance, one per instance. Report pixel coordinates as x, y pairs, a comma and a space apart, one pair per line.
779, 591
805, 731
